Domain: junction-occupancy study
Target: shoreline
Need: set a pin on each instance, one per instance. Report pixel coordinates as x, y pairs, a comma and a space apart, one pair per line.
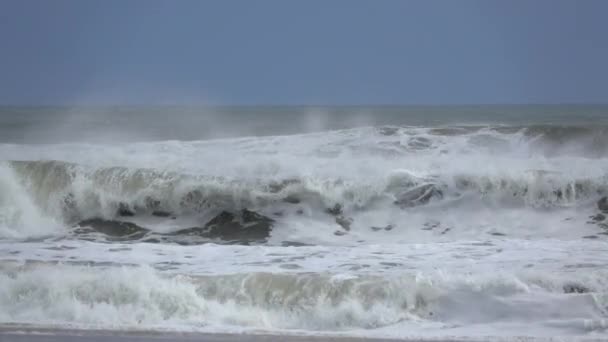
50, 334
17, 333
68, 335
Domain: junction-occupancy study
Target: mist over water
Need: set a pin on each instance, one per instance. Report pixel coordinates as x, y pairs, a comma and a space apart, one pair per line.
432, 222
146, 123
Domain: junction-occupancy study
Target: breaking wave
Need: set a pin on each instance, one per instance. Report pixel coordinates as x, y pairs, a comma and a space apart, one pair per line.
81, 192
340, 174
35, 193
141, 297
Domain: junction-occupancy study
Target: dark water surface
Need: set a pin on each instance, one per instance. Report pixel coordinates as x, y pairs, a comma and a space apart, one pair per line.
144, 123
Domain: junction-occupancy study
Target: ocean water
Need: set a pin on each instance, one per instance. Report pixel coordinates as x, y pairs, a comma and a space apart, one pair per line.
468, 222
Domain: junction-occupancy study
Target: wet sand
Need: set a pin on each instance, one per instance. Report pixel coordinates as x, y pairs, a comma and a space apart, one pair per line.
67, 335
29, 334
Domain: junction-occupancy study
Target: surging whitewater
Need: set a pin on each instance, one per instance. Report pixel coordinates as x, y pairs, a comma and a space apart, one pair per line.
393, 231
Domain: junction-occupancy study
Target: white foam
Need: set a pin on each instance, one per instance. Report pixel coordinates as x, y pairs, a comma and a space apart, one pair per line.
20, 217
492, 257
522, 203
140, 297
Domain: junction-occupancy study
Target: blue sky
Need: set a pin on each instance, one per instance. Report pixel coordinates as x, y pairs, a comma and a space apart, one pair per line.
303, 52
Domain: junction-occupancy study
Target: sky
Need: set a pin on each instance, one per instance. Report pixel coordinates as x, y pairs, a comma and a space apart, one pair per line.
274, 52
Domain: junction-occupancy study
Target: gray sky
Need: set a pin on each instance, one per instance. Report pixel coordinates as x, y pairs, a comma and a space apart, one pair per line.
303, 52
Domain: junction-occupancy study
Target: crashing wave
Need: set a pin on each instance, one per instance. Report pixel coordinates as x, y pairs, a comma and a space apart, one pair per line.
102, 197
77, 192
119, 297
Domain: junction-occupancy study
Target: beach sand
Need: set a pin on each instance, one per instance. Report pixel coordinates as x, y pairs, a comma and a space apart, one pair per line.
28, 334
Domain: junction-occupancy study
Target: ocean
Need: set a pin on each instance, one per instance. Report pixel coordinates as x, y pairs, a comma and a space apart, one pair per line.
407, 222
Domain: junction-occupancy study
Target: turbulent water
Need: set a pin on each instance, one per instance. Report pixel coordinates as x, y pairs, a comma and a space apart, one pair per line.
402, 222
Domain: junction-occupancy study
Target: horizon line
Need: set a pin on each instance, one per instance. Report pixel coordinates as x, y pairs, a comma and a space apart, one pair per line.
341, 105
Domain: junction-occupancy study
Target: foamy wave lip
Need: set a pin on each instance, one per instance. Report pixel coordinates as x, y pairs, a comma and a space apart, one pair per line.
40, 197
20, 216
141, 297
70, 189
343, 173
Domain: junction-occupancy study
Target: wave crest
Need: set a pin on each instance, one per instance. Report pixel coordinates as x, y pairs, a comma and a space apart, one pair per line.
140, 296
79, 192
72, 193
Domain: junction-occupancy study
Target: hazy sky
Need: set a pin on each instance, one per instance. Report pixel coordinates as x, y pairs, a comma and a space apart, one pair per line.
303, 52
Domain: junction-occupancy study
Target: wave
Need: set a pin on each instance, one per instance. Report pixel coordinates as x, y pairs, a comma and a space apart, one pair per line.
140, 296
576, 140
103, 192
20, 216
70, 193
543, 140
